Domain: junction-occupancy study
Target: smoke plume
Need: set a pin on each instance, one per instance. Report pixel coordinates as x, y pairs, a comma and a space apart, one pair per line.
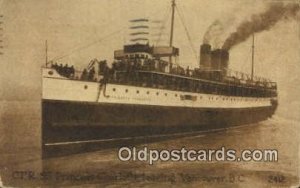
213, 31
261, 22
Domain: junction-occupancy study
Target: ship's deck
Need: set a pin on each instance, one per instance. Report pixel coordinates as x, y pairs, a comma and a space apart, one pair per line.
182, 82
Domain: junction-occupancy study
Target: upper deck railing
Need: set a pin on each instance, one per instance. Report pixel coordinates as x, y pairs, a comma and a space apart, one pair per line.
177, 79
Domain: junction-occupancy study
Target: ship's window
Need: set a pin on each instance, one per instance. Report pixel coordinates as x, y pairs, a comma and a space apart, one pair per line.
166, 94
157, 93
137, 91
50, 72
85, 86
114, 89
200, 97
148, 92
175, 95
126, 90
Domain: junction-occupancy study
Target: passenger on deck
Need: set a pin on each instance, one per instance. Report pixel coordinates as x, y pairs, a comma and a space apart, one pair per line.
55, 66
65, 70
91, 74
84, 75
102, 66
72, 71
59, 68
188, 71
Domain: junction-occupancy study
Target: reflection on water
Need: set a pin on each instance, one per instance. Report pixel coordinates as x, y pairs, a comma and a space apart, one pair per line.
20, 151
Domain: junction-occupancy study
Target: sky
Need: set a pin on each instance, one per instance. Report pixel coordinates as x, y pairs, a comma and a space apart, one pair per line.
80, 31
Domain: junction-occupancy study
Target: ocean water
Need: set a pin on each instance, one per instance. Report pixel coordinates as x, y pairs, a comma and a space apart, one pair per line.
21, 164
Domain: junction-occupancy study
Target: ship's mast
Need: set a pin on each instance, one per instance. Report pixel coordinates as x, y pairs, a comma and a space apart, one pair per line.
46, 50
172, 27
252, 62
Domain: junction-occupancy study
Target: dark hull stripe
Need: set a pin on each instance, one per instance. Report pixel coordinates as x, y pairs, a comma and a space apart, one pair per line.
71, 127
68, 121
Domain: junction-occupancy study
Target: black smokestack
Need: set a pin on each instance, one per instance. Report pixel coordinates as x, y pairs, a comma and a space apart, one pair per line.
224, 60
219, 60
216, 59
261, 22
205, 56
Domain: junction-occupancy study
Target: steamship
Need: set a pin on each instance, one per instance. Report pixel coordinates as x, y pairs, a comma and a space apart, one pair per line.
145, 92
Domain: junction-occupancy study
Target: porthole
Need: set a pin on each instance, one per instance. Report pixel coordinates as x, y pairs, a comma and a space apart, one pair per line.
50, 72
175, 95
157, 93
137, 91
148, 92
85, 86
126, 90
114, 89
166, 94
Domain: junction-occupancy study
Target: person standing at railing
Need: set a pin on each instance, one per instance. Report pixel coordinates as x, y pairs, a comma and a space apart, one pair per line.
72, 71
91, 74
84, 75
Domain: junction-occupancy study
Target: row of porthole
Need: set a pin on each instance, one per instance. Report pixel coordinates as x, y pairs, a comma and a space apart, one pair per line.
148, 92
210, 98
232, 99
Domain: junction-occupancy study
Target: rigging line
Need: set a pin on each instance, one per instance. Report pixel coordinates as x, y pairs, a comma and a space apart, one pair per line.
86, 46
258, 66
163, 25
248, 62
245, 61
80, 48
187, 33
139, 33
